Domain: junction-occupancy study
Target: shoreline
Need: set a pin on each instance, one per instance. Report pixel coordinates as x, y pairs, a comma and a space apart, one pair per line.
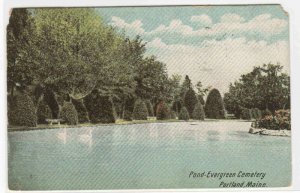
118, 122
269, 132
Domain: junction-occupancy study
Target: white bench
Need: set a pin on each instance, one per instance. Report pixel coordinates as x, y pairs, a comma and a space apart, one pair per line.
51, 121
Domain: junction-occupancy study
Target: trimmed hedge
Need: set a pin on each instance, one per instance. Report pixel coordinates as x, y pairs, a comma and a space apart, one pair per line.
21, 111
214, 106
100, 108
69, 114
83, 116
246, 114
140, 111
43, 112
149, 108
198, 113
190, 100
172, 114
162, 111
184, 114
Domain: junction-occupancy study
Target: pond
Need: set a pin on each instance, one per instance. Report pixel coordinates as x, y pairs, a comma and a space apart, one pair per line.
145, 156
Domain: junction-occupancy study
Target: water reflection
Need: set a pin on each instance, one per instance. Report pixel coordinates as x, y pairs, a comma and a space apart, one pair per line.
62, 136
86, 137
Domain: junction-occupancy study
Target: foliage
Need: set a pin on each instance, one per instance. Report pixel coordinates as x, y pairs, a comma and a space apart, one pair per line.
69, 114
190, 100
162, 111
140, 111
22, 111
20, 36
198, 112
266, 112
256, 113
266, 87
246, 114
100, 108
51, 101
176, 106
281, 120
214, 107
184, 114
149, 108
128, 109
43, 112
81, 111
172, 114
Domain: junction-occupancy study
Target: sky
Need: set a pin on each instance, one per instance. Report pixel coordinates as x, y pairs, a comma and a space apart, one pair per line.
211, 44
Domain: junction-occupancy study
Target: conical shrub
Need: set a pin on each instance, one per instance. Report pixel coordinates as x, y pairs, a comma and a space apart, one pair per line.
214, 106
140, 111
69, 114
149, 108
162, 111
198, 113
190, 100
184, 114
22, 111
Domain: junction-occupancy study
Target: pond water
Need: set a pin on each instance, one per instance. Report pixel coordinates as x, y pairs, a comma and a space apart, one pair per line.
144, 156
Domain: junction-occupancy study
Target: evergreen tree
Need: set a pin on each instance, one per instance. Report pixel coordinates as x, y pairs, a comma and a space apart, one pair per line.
184, 114
162, 111
190, 100
198, 112
69, 114
140, 111
214, 107
22, 111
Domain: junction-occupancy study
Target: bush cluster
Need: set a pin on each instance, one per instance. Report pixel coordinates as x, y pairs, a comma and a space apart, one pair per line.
140, 111
21, 111
280, 120
69, 114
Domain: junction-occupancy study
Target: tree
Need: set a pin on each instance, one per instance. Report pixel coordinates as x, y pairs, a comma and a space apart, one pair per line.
22, 111
69, 114
100, 108
20, 49
140, 111
265, 87
198, 112
184, 114
214, 107
190, 100
162, 111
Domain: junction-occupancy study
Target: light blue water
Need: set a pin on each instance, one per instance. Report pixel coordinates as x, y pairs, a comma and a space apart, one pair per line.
144, 156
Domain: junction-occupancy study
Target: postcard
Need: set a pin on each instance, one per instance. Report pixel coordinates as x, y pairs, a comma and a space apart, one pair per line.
148, 97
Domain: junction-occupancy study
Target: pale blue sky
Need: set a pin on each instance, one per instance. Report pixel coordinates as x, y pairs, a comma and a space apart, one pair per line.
208, 42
